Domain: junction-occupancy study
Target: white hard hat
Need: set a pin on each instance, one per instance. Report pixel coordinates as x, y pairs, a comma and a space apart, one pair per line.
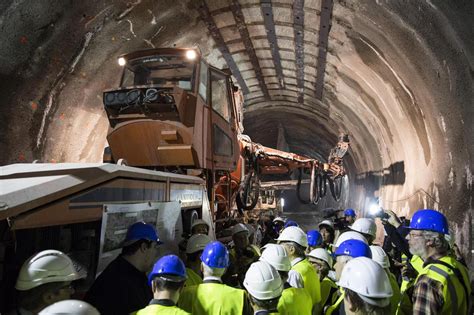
199, 222
197, 242
379, 256
326, 222
365, 277
364, 225
350, 235
74, 307
294, 234
239, 227
321, 253
279, 219
46, 267
263, 281
276, 256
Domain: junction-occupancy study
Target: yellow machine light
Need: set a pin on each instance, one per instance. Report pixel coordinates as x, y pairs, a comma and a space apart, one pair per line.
122, 61
191, 54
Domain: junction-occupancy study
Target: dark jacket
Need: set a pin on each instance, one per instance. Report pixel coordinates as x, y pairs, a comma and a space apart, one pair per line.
120, 289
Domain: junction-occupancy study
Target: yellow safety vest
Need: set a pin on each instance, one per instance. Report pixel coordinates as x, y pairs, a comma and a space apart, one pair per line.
193, 278
212, 298
395, 299
161, 309
405, 306
336, 304
295, 301
311, 281
454, 294
329, 291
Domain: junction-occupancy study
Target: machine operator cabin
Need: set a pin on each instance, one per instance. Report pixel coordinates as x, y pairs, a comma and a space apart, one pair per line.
236, 157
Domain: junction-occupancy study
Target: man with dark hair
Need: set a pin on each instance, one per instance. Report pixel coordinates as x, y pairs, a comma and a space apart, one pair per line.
166, 280
122, 287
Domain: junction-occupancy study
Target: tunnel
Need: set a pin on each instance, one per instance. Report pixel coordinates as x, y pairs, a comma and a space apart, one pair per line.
396, 76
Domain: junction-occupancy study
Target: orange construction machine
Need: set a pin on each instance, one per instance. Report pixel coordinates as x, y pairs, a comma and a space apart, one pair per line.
174, 112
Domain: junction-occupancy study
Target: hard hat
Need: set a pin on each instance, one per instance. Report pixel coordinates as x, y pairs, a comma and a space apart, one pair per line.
350, 235
74, 307
46, 267
290, 223
365, 277
199, 222
239, 227
262, 281
353, 248
197, 242
365, 226
321, 253
294, 234
170, 267
379, 256
327, 223
141, 231
349, 213
215, 255
429, 220
278, 219
314, 238
276, 256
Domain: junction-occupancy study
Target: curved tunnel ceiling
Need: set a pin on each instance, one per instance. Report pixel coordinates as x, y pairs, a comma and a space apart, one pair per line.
396, 75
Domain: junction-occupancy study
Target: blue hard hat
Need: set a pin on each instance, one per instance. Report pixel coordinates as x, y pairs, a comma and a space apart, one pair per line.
169, 267
429, 220
353, 248
290, 223
314, 238
349, 213
215, 255
141, 231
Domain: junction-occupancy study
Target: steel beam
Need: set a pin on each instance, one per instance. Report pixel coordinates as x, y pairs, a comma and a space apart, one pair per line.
244, 34
324, 28
206, 16
298, 22
267, 12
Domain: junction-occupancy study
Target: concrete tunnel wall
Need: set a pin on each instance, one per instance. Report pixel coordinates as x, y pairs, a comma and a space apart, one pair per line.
398, 79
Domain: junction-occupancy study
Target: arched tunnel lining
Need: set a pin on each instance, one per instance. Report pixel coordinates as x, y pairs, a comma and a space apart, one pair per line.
403, 95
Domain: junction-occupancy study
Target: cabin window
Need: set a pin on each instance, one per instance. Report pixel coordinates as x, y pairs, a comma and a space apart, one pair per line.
203, 81
222, 142
219, 97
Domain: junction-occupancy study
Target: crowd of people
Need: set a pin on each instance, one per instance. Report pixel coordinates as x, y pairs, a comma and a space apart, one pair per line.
277, 269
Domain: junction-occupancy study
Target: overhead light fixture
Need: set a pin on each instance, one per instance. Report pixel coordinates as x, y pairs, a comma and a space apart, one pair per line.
191, 54
122, 61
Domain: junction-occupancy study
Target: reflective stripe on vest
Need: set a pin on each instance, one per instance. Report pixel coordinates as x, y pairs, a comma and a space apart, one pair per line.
455, 299
295, 301
310, 277
336, 305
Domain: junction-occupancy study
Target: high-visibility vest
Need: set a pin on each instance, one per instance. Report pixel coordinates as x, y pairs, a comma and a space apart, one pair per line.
336, 304
405, 306
310, 278
456, 289
295, 301
329, 291
161, 309
212, 298
193, 278
395, 299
